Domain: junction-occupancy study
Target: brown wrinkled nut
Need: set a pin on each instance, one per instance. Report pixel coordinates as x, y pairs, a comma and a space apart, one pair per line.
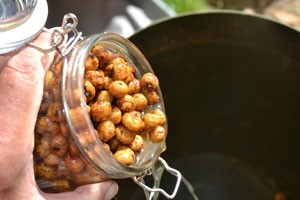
85, 177
56, 94
81, 178
46, 101
116, 115
44, 171
101, 110
149, 81
116, 58
82, 140
121, 72
158, 134
134, 87
47, 96
125, 155
133, 121
107, 82
95, 77
44, 124
77, 117
104, 95
91, 63
52, 159
90, 90
64, 130
124, 135
49, 80
131, 68
99, 150
57, 66
59, 145
118, 89
90, 138
101, 53
42, 147
137, 143
153, 119
61, 185
53, 113
140, 101
95, 177
109, 70
73, 151
106, 130
62, 170
76, 93
126, 103
74, 164
152, 97
162, 115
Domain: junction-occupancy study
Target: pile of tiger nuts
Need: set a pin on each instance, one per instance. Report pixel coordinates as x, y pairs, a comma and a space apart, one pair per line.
116, 101
120, 109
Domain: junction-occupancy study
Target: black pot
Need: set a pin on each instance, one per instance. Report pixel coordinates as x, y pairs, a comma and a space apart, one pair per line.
231, 85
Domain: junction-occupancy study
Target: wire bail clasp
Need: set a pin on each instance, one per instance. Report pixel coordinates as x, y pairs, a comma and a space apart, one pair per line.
153, 191
60, 40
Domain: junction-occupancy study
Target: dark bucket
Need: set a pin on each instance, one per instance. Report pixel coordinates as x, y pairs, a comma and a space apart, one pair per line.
231, 85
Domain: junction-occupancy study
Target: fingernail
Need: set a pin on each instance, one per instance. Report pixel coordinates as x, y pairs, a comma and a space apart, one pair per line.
112, 191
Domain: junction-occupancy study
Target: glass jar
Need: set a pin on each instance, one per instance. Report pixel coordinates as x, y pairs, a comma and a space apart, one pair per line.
15, 12
68, 150
20, 16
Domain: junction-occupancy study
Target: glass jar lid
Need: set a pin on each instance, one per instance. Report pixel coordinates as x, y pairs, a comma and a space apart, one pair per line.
20, 22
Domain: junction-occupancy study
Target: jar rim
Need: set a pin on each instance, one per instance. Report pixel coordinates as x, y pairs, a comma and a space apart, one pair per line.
20, 11
28, 21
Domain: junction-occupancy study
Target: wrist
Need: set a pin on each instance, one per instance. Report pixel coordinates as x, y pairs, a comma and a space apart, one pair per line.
21, 187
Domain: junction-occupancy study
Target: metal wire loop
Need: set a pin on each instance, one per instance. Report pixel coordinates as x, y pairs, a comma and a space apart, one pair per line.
60, 40
140, 181
69, 23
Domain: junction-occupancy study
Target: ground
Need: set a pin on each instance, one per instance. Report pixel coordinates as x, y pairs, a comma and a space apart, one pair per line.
286, 11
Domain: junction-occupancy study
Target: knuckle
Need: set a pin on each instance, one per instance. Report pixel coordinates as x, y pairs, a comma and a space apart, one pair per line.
26, 69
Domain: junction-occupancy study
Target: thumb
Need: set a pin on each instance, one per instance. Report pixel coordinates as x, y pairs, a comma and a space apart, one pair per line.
101, 191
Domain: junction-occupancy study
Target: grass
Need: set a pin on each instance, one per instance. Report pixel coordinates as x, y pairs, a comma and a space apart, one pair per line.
182, 6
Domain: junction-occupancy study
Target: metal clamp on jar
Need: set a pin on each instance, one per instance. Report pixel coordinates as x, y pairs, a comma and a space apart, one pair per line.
102, 115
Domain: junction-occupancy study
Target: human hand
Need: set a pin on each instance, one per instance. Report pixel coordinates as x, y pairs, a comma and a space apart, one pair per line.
21, 88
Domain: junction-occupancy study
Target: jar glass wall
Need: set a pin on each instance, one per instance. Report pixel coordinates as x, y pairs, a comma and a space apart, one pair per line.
68, 150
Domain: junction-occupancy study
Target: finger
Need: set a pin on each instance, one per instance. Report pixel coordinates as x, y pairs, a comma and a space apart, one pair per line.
101, 191
43, 41
21, 86
3, 59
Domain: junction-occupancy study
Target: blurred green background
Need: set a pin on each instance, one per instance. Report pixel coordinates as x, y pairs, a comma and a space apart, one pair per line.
286, 11
181, 6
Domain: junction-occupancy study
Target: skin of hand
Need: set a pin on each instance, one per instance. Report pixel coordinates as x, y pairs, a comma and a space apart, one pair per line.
21, 87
